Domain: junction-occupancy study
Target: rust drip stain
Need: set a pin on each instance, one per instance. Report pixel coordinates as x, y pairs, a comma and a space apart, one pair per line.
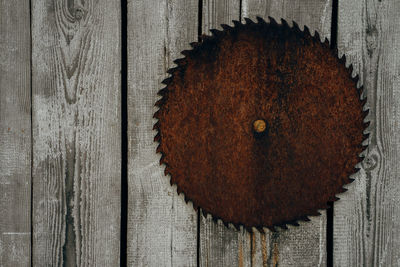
264, 250
240, 253
253, 248
260, 125
275, 258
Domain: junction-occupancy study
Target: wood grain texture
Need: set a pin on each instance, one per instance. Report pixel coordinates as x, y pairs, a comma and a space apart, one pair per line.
76, 132
222, 246
217, 12
162, 228
219, 245
15, 134
306, 244
367, 218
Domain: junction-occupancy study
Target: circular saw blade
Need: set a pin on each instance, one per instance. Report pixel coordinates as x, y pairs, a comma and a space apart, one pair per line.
260, 124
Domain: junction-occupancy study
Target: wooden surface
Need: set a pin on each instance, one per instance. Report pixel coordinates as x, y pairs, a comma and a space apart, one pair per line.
76, 133
15, 134
72, 142
162, 228
367, 218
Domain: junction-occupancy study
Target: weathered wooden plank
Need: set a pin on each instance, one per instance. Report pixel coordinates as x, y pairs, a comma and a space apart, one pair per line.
162, 228
222, 246
304, 245
367, 218
76, 133
217, 12
15, 134
219, 245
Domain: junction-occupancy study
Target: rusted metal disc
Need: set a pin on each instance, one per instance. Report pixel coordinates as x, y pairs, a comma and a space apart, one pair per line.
260, 124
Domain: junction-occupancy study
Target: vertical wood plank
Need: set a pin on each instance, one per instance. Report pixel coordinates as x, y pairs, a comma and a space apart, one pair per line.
217, 12
222, 246
162, 228
76, 133
219, 245
367, 218
15, 134
304, 245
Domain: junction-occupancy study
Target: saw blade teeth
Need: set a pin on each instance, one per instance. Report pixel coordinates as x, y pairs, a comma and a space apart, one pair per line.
157, 137
162, 92
307, 30
335, 51
272, 20
248, 21
236, 226
260, 229
194, 44
284, 23
296, 26
156, 126
360, 91
367, 124
172, 70
237, 23
350, 68
162, 158
260, 20
205, 38
179, 61
342, 190
186, 52
326, 42
342, 60
356, 78
167, 81
204, 213
160, 102
224, 223
365, 113
157, 114
167, 171
284, 226
316, 35
216, 32
363, 102
226, 27
158, 150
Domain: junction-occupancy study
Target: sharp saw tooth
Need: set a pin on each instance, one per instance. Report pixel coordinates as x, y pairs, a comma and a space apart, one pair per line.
260, 20
272, 21
306, 30
216, 32
296, 26
226, 27
236, 23
316, 35
248, 21
284, 23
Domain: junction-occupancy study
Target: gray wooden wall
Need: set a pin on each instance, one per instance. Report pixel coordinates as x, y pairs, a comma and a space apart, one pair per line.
73, 74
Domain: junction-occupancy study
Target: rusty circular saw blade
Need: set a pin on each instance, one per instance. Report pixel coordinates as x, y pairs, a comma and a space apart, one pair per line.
266, 72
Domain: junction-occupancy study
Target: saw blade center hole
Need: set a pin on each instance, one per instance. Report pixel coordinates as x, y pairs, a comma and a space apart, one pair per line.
259, 126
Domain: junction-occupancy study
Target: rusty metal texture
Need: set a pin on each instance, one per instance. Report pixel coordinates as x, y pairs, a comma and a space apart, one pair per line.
260, 124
